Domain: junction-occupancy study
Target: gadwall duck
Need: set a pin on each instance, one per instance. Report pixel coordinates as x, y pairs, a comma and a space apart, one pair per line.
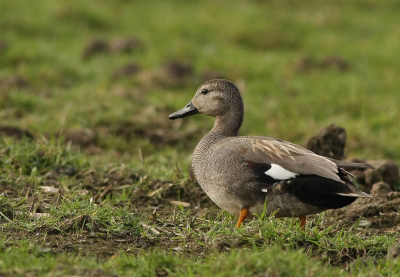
242, 173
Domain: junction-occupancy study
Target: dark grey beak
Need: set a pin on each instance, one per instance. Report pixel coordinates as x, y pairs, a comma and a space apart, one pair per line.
189, 109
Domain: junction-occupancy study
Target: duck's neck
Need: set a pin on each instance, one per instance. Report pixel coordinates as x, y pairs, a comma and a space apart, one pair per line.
228, 125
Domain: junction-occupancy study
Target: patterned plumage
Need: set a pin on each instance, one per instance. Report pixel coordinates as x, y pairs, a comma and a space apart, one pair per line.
240, 173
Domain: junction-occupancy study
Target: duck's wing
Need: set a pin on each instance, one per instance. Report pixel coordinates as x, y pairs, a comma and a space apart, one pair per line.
285, 160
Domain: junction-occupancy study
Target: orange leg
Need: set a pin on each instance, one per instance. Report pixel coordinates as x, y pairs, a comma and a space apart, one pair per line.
243, 214
303, 220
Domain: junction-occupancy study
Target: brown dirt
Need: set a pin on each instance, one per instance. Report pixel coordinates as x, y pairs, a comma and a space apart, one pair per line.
15, 81
153, 124
174, 74
3, 46
103, 245
394, 251
94, 47
81, 137
329, 142
266, 40
126, 45
385, 170
177, 69
118, 45
379, 214
10, 131
307, 63
211, 75
128, 70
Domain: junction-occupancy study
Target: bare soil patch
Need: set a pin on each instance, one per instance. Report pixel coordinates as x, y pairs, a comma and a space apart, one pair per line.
329, 142
10, 131
3, 46
119, 45
128, 70
100, 245
307, 63
15, 81
379, 214
154, 125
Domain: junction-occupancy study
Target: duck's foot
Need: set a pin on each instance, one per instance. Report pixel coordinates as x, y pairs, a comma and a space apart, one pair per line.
243, 214
303, 221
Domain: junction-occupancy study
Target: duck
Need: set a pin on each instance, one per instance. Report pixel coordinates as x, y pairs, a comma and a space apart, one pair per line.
248, 175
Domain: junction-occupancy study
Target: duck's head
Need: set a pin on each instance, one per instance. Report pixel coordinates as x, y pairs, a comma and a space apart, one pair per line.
214, 98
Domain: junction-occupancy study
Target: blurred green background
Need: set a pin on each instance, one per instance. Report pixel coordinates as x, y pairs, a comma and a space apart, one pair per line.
119, 68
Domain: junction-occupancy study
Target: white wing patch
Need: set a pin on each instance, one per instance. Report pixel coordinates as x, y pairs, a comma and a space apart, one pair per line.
279, 173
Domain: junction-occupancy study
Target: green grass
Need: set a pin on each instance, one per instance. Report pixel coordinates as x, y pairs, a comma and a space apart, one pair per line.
109, 234
49, 221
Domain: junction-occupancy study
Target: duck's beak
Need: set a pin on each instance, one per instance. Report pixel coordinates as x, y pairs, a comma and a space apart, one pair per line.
189, 109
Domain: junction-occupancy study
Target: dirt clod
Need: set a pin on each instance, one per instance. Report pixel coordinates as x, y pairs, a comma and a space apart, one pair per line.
381, 212
126, 45
335, 62
394, 251
307, 63
380, 190
81, 137
15, 81
3, 46
94, 47
385, 170
177, 69
119, 45
127, 70
329, 142
211, 75
153, 124
10, 131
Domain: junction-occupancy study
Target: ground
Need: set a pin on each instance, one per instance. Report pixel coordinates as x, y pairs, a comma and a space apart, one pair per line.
93, 175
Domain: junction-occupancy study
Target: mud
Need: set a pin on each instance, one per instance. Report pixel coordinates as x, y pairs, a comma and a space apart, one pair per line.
10, 131
385, 170
153, 124
126, 45
3, 46
14, 82
266, 40
173, 74
95, 47
307, 64
85, 242
128, 70
329, 142
119, 45
211, 75
81, 137
379, 214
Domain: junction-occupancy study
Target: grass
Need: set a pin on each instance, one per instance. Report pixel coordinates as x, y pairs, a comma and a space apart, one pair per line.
95, 128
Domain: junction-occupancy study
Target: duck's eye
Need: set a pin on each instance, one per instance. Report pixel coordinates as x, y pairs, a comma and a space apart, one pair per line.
205, 91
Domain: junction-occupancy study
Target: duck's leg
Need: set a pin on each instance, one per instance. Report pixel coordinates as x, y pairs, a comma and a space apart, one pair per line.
243, 214
303, 220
